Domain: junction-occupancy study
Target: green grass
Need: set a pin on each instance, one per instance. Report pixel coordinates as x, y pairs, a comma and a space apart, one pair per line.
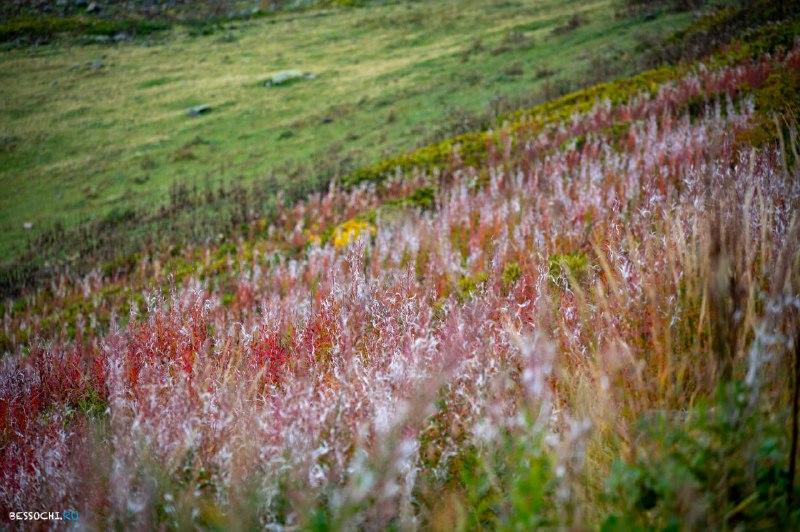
78, 141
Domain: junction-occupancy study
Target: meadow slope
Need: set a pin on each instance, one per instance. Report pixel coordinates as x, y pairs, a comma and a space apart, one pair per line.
592, 322
101, 132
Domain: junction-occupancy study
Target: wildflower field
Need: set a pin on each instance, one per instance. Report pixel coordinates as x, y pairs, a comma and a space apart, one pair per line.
584, 318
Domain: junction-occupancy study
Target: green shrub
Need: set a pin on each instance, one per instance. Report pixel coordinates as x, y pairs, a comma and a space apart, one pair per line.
511, 273
467, 285
422, 197
737, 21
722, 467
573, 266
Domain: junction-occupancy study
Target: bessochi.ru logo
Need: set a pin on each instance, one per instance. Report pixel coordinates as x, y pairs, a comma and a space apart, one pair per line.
66, 515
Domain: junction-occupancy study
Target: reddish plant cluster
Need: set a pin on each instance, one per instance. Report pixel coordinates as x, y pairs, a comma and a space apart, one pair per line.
170, 337
269, 354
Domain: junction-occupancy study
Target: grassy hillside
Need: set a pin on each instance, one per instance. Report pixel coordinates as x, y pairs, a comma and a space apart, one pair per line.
590, 322
89, 131
586, 317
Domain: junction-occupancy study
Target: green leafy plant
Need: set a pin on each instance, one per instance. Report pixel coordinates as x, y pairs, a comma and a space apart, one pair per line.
723, 466
573, 266
511, 273
468, 285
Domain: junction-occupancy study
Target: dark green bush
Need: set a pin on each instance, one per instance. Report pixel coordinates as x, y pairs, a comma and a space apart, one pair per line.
739, 20
723, 465
422, 197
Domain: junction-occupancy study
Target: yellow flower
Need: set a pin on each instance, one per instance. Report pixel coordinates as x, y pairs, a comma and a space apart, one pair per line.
346, 233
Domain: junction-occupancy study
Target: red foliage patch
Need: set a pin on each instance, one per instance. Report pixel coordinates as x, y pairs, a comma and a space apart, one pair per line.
268, 356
